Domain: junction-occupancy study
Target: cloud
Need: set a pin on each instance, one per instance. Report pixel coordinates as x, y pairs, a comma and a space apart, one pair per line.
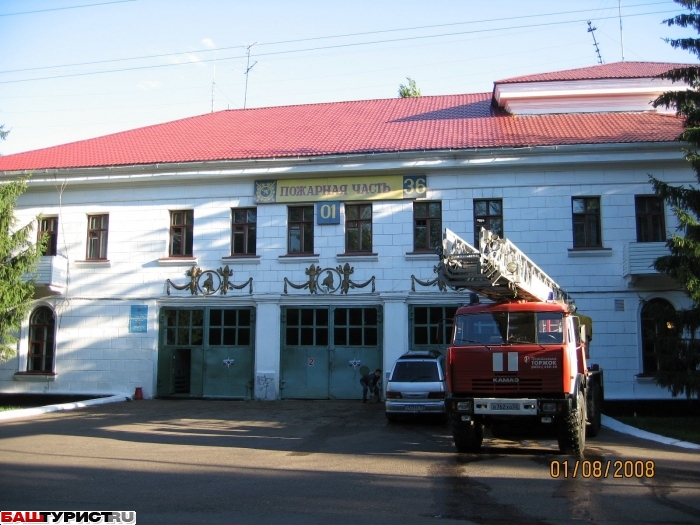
209, 43
148, 85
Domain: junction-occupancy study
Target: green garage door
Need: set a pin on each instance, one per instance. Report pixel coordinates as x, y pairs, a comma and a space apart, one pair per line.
324, 349
206, 352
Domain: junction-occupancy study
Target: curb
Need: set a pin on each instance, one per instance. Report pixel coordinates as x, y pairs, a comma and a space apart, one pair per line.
613, 424
28, 412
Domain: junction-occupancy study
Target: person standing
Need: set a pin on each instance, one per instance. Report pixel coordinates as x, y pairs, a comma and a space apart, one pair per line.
370, 383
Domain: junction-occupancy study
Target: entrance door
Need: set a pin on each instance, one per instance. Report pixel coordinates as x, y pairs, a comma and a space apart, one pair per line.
206, 352
323, 350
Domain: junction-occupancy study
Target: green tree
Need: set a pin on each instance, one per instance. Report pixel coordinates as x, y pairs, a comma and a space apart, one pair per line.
677, 346
3, 133
18, 256
410, 91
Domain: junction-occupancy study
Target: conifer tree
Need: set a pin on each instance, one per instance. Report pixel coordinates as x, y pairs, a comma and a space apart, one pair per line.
676, 334
18, 256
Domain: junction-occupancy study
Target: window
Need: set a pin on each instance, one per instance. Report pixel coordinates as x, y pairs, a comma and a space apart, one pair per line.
430, 326
586, 218
243, 229
97, 237
358, 228
488, 214
230, 327
651, 226
654, 328
42, 326
306, 326
427, 226
181, 231
48, 226
300, 237
183, 327
355, 326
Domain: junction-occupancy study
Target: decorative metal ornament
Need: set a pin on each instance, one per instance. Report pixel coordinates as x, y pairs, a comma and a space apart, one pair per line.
208, 282
438, 281
355, 363
323, 280
228, 362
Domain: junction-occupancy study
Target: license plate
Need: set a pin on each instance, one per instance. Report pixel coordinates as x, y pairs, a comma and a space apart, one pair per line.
414, 408
505, 406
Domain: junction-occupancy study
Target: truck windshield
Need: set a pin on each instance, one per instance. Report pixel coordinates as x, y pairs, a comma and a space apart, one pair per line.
498, 328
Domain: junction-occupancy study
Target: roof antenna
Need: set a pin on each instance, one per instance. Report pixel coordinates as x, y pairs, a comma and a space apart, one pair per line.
622, 44
591, 30
247, 70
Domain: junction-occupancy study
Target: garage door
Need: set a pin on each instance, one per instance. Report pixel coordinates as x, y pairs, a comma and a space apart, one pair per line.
324, 349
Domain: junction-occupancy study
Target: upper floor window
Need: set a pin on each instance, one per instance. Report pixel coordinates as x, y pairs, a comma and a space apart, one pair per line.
651, 224
243, 231
358, 228
488, 213
48, 226
586, 221
427, 226
42, 324
300, 230
181, 233
97, 236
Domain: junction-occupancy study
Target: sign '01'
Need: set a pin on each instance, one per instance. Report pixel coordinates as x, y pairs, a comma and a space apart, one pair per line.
72, 517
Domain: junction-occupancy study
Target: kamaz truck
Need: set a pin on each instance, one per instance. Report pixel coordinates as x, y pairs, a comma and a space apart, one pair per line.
518, 360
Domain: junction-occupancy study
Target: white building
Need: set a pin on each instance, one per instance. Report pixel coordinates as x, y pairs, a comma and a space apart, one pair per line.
271, 253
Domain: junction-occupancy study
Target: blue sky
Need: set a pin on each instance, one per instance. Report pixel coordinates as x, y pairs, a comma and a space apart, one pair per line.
76, 69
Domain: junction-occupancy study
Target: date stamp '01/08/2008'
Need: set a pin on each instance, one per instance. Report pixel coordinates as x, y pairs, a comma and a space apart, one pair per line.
616, 469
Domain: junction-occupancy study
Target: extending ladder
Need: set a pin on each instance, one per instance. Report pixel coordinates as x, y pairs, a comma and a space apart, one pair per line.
498, 270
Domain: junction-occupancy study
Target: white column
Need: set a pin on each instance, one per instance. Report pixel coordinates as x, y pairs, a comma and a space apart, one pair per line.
395, 328
267, 348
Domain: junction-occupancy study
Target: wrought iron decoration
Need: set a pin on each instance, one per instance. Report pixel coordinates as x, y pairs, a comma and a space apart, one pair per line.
323, 280
208, 282
439, 280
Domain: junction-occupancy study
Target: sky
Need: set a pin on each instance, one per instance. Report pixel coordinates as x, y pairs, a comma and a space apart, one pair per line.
76, 69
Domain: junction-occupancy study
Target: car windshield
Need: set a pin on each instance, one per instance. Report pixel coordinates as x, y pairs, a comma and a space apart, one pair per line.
415, 372
498, 328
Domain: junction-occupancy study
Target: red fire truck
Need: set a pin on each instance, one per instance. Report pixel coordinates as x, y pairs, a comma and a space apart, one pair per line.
520, 359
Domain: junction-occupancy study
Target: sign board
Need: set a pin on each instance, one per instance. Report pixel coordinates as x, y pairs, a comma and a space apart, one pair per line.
328, 212
138, 318
138, 325
377, 187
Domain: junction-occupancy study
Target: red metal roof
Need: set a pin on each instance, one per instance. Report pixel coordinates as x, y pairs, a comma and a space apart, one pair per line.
345, 128
614, 70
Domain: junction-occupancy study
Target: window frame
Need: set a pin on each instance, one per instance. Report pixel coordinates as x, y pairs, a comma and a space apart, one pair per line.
486, 219
51, 248
45, 354
186, 232
359, 206
304, 248
245, 230
102, 233
429, 221
648, 217
599, 220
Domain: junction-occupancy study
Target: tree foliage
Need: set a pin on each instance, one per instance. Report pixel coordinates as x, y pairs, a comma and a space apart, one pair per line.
676, 346
409, 91
18, 256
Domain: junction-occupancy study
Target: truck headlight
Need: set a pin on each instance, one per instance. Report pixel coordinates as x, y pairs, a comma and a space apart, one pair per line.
465, 406
549, 407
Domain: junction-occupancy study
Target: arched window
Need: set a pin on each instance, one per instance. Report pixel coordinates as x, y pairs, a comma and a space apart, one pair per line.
42, 326
651, 328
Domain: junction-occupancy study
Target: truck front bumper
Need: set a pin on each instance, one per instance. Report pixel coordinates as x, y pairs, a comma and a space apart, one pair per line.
479, 406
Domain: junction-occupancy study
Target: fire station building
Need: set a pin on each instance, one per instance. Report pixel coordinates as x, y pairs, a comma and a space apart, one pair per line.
280, 252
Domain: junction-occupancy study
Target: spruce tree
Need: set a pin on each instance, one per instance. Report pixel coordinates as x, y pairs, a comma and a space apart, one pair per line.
18, 257
676, 333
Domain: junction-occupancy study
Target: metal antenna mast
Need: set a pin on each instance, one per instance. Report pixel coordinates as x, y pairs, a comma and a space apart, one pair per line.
622, 44
247, 70
591, 30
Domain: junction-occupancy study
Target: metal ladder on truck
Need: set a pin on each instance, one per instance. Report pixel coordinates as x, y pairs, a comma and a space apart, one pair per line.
498, 270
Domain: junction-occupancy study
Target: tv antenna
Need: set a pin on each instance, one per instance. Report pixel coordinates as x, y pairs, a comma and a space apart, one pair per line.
622, 44
247, 70
591, 30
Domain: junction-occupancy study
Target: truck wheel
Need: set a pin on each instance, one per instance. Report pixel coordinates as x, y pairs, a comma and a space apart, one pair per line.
468, 438
594, 412
572, 430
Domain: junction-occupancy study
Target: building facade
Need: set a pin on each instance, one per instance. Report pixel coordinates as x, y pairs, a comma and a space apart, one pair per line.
281, 252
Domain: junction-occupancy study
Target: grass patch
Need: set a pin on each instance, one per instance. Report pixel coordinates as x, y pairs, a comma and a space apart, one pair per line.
7, 407
683, 428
